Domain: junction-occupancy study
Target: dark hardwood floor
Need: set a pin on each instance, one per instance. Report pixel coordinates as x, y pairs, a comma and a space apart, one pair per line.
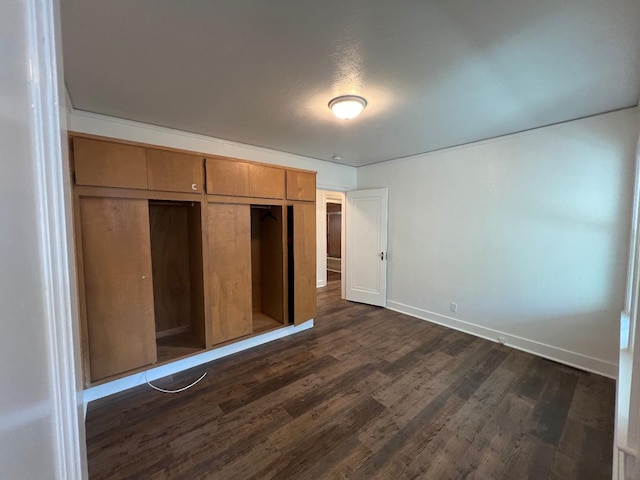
368, 393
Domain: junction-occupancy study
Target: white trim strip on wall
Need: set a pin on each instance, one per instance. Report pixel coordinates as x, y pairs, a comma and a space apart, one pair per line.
550, 352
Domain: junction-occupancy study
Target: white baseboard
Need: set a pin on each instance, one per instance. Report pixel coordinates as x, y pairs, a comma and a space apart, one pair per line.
573, 359
121, 384
321, 283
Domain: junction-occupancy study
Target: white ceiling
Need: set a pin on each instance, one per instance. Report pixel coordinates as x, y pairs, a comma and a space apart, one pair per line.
436, 73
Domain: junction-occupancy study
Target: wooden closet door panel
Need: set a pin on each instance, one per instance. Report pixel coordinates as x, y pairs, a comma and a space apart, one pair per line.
227, 177
174, 172
301, 186
108, 164
266, 182
229, 241
116, 252
304, 262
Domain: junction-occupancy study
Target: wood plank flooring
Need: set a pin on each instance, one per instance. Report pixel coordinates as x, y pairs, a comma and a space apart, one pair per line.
368, 393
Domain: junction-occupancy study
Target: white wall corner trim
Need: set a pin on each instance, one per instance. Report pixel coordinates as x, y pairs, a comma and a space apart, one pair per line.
121, 384
55, 237
573, 359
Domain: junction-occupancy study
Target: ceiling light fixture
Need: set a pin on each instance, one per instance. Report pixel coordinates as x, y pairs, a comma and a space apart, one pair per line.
347, 106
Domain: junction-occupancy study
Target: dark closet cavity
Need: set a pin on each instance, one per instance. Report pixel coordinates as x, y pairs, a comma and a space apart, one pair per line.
176, 259
267, 267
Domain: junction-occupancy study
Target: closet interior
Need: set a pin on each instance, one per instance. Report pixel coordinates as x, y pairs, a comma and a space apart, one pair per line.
178, 293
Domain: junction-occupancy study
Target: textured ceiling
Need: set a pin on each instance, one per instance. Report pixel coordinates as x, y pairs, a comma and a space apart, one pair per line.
435, 73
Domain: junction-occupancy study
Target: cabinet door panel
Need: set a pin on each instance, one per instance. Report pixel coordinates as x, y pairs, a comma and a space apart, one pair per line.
174, 172
304, 262
229, 240
301, 186
227, 177
116, 253
266, 182
107, 164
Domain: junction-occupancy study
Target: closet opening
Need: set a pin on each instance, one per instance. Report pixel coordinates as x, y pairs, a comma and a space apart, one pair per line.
176, 262
267, 267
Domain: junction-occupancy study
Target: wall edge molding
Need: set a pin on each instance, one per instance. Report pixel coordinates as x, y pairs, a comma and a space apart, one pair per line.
567, 357
47, 122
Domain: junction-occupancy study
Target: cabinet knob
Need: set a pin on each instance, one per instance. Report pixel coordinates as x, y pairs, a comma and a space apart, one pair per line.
194, 186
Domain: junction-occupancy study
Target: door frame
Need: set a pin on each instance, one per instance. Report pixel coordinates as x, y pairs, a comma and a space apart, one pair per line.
322, 198
56, 258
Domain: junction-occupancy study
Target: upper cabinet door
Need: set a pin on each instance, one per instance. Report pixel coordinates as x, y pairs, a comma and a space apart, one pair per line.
301, 185
304, 262
174, 172
107, 164
116, 252
227, 177
266, 182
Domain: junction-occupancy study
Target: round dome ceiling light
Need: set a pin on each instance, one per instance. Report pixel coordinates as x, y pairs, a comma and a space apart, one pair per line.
347, 106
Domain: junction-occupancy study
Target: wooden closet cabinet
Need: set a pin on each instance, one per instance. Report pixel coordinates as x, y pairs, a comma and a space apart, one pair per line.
170, 265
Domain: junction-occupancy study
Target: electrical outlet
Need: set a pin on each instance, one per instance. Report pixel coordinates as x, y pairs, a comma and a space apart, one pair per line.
502, 340
453, 307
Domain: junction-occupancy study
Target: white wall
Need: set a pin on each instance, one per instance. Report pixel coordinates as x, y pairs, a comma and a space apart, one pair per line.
40, 431
331, 176
527, 233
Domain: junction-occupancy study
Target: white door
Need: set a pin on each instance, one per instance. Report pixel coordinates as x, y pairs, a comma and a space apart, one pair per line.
366, 235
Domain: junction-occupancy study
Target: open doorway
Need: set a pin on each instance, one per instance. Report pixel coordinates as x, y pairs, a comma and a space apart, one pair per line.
330, 226
334, 241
